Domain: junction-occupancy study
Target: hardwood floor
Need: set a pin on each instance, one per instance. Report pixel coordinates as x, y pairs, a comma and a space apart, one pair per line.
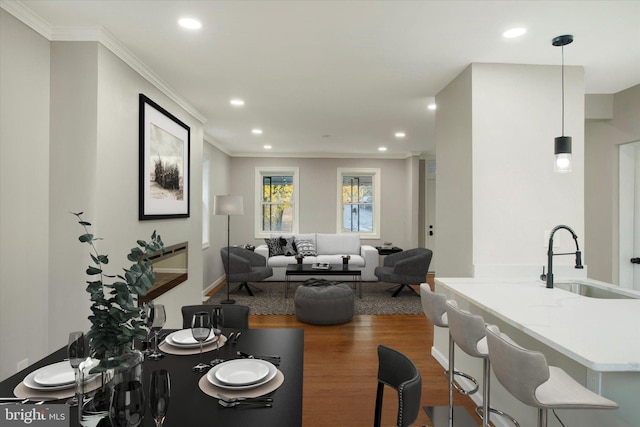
341, 367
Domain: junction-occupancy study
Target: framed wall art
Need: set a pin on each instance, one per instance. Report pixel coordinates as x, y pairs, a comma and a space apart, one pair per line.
164, 163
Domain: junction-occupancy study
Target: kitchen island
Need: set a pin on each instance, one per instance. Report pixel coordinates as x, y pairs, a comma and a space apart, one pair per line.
597, 341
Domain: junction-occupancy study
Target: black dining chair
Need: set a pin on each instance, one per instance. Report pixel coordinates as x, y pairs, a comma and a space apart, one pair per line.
398, 372
235, 316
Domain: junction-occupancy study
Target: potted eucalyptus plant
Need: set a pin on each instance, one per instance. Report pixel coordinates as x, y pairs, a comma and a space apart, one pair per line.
116, 320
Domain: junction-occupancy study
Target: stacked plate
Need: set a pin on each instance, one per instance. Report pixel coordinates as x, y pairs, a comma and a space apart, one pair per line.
184, 339
58, 376
241, 374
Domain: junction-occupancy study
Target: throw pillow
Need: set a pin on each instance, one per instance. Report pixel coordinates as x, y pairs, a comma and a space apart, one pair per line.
288, 246
306, 248
275, 248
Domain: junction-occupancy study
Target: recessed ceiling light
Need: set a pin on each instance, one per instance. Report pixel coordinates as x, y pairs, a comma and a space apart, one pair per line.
432, 107
382, 149
267, 147
256, 131
237, 102
514, 32
400, 134
190, 23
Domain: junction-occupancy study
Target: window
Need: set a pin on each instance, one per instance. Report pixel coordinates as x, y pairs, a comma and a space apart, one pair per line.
205, 204
359, 202
276, 201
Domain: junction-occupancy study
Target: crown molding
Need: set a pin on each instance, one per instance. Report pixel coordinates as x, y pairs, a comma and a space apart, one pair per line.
100, 35
28, 17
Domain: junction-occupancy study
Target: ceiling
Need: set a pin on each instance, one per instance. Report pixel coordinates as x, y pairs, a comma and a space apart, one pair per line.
339, 78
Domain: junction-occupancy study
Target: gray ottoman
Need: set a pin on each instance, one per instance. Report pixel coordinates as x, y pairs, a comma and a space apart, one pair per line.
324, 303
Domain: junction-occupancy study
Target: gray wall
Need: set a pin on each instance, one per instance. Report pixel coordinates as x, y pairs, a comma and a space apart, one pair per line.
602, 138
24, 193
399, 189
69, 142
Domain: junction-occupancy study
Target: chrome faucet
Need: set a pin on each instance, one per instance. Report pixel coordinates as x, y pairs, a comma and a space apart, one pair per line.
550, 253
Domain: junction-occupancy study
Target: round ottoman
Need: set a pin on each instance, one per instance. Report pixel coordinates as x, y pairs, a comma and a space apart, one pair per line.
324, 304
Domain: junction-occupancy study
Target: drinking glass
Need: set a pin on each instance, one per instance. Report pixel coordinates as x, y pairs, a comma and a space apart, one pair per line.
77, 351
201, 328
127, 404
217, 323
159, 394
159, 318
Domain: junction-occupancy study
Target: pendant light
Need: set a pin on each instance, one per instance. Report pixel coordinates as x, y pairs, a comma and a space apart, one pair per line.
562, 150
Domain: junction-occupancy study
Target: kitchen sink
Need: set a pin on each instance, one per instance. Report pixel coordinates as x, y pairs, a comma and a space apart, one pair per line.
594, 291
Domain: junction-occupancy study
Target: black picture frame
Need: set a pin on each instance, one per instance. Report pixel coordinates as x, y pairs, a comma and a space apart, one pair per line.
164, 177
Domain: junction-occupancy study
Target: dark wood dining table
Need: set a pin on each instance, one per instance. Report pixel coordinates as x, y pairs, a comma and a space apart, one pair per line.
189, 406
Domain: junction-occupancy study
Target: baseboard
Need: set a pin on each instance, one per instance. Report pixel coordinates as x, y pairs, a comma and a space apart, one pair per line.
213, 288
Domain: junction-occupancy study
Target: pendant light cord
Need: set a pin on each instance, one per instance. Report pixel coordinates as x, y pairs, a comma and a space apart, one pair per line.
562, 90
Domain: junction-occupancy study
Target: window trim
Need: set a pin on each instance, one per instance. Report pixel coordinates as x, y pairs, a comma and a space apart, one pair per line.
373, 172
259, 173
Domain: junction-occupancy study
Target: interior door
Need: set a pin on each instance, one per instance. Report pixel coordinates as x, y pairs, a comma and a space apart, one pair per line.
629, 237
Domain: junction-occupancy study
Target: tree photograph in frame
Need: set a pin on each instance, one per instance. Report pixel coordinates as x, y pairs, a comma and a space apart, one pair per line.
164, 163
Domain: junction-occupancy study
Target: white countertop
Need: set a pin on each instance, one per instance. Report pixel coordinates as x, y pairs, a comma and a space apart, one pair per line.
601, 334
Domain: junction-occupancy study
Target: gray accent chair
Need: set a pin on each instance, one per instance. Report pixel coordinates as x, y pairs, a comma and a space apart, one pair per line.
244, 266
406, 268
234, 316
527, 376
398, 372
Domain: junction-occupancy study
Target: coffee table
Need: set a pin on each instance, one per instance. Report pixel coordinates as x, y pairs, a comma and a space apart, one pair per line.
335, 270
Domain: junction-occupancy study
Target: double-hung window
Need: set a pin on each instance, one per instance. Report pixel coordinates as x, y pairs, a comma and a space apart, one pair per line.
359, 202
276, 201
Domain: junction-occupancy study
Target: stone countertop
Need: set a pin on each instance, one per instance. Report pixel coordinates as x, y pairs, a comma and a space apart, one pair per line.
601, 334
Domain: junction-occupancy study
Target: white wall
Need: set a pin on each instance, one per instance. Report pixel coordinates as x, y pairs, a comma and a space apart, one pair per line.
602, 138
497, 193
516, 194
24, 193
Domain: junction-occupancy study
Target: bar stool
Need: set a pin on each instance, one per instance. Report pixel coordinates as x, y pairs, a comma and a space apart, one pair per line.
527, 376
435, 308
468, 332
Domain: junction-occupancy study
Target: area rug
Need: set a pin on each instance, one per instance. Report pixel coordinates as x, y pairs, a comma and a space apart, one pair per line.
376, 299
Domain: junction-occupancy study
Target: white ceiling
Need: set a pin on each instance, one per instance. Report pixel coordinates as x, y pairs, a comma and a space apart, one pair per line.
339, 78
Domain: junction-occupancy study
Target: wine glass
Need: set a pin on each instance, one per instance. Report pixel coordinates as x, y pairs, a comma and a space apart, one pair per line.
127, 404
217, 323
159, 318
159, 394
77, 351
148, 323
201, 328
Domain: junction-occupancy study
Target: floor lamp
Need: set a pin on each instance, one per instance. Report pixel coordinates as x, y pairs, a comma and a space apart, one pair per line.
228, 205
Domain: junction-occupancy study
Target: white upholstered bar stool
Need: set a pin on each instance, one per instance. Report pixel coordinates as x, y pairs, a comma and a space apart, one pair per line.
435, 308
468, 332
527, 376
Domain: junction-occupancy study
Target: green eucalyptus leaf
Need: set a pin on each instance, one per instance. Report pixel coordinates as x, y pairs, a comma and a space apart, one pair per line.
91, 271
86, 238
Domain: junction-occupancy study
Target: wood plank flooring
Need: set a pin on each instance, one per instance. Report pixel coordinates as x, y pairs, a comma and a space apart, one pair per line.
341, 367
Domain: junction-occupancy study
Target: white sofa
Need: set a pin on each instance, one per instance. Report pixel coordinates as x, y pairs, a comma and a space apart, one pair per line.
330, 249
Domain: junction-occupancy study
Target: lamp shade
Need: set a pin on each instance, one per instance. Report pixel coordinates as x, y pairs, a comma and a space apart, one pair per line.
228, 205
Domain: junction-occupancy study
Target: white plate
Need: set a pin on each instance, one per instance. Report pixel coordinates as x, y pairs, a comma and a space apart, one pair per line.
241, 372
30, 382
184, 338
211, 376
57, 374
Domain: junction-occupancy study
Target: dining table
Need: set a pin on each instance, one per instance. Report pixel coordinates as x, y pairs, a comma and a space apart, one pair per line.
190, 406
